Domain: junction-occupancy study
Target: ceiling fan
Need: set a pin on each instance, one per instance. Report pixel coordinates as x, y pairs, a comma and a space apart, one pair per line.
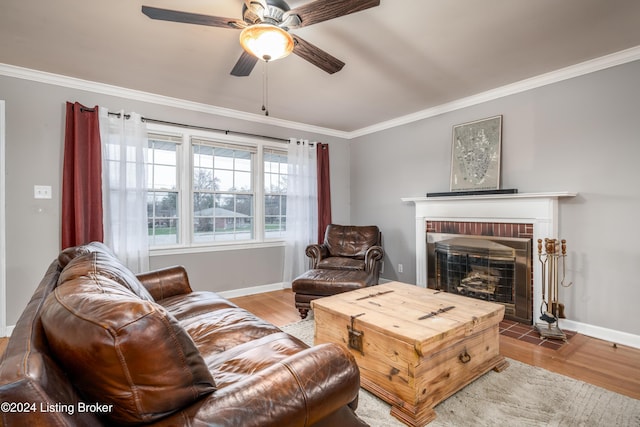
274, 18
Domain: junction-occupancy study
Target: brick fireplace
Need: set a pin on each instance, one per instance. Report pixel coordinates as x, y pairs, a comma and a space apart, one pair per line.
527, 215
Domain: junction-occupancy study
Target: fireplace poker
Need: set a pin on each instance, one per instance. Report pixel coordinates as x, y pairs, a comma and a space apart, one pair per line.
564, 256
558, 309
553, 276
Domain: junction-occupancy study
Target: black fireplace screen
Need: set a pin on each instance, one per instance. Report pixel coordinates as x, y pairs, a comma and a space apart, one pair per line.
492, 268
476, 268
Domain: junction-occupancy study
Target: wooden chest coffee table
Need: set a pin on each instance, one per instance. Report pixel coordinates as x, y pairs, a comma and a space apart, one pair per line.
415, 347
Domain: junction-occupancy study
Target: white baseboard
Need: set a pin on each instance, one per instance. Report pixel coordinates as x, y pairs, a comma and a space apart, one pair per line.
605, 334
253, 290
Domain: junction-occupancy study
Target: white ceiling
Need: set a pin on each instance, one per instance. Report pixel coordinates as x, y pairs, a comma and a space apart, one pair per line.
401, 57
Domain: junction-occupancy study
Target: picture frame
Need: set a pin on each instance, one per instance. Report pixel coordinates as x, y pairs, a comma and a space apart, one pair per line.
475, 155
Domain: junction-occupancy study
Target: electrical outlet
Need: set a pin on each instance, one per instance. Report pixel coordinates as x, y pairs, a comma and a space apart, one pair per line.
400, 268
41, 191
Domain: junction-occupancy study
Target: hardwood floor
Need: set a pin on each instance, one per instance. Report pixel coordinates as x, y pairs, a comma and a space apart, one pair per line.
616, 368
277, 307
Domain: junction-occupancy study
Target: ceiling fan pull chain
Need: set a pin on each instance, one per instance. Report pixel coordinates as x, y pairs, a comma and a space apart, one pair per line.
265, 88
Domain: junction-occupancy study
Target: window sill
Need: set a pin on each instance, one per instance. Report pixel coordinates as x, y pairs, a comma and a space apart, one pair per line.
182, 250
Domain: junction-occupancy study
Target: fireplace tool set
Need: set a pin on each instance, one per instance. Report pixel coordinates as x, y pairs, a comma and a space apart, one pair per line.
551, 309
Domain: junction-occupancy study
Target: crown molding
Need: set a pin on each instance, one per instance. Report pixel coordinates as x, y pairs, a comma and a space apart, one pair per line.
604, 62
587, 67
152, 98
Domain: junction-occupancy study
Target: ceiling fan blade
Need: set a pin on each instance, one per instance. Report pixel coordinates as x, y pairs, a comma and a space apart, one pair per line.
323, 10
245, 65
192, 18
316, 56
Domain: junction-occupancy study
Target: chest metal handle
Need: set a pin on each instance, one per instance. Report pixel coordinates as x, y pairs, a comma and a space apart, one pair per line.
464, 357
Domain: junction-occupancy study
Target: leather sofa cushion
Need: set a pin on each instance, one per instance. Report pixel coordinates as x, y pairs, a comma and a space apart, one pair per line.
69, 254
350, 241
100, 264
123, 350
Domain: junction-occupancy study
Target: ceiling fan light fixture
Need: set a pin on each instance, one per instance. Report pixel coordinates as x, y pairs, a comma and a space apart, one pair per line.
267, 42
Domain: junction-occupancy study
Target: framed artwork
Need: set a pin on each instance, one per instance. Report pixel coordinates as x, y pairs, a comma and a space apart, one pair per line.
475, 155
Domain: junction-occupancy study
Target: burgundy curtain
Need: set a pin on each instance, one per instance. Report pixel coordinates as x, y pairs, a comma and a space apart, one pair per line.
81, 177
324, 190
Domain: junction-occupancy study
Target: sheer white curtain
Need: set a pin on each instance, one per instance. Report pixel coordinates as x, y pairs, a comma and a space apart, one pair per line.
124, 190
302, 207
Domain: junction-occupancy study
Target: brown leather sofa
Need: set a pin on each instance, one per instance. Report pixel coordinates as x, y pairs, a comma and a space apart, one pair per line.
348, 259
97, 345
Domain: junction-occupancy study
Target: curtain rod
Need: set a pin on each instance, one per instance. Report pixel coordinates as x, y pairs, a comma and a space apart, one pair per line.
226, 131
164, 122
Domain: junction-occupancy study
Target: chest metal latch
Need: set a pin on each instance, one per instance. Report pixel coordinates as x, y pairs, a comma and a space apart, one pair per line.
355, 336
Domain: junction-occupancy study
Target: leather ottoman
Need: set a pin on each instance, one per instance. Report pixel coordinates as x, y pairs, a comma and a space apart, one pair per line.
319, 283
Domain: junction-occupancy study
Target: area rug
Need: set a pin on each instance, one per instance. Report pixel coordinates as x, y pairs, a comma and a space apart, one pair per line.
521, 395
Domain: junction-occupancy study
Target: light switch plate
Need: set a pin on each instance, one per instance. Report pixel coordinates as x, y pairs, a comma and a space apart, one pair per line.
41, 191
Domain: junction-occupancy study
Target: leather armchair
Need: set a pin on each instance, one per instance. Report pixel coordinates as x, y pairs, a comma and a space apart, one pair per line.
348, 259
351, 248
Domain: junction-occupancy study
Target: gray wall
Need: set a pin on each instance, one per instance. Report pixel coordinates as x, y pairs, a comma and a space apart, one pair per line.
35, 115
580, 135
228, 270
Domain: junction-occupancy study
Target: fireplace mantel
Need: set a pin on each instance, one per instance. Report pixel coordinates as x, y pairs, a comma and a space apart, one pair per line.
508, 196
539, 209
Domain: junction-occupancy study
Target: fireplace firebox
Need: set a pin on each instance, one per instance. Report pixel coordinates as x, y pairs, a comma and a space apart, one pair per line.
491, 268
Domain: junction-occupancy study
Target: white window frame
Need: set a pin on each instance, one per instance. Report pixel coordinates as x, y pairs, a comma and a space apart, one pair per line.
185, 204
273, 150
179, 139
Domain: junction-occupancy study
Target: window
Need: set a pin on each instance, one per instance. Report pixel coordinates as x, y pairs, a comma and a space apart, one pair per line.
222, 192
275, 193
163, 190
207, 189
